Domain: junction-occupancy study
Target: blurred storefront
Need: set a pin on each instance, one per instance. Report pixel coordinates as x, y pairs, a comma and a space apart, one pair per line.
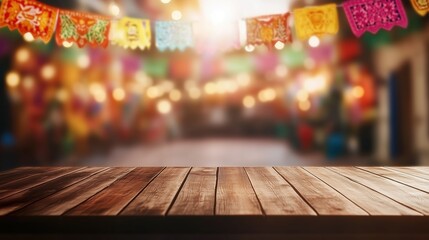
337, 95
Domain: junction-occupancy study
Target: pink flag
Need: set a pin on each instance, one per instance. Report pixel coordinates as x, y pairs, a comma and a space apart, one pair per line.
373, 15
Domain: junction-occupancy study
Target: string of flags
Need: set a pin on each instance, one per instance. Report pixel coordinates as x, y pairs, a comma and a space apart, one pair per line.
70, 27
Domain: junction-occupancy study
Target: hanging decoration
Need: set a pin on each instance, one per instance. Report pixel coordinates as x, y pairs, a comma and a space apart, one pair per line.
29, 17
39, 21
82, 29
131, 33
268, 30
421, 6
172, 35
317, 21
373, 15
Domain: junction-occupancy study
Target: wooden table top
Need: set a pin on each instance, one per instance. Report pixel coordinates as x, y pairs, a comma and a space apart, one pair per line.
279, 197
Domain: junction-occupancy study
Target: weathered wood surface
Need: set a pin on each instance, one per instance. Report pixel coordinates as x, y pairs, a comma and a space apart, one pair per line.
232, 197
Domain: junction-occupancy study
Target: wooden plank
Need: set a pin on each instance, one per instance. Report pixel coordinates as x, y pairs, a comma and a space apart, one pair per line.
412, 171
158, 196
235, 194
21, 172
401, 193
28, 196
277, 196
115, 197
324, 199
33, 180
403, 178
60, 202
197, 196
371, 201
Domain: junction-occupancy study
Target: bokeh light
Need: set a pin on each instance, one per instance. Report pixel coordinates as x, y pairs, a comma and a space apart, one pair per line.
358, 92
83, 61
314, 41
12, 79
22, 55
114, 9
118, 94
176, 15
304, 105
249, 102
28, 37
153, 92
267, 95
48, 72
164, 106
175, 95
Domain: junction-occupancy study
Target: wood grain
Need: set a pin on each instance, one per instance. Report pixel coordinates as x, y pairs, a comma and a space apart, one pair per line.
324, 199
235, 194
201, 192
62, 201
403, 178
115, 197
408, 196
33, 180
30, 195
15, 174
158, 196
371, 201
417, 172
276, 195
197, 196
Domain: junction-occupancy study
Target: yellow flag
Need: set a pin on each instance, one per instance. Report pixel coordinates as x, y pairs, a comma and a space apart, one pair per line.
131, 33
317, 20
421, 6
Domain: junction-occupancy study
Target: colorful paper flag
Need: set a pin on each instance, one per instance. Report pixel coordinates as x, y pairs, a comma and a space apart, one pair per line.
373, 15
421, 6
172, 35
82, 29
317, 21
29, 17
131, 33
268, 30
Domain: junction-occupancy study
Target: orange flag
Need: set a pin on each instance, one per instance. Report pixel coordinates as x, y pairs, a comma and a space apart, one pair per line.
29, 17
268, 30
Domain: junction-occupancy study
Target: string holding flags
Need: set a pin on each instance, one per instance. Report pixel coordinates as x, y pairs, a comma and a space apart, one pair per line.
29, 17
421, 6
131, 33
41, 21
268, 30
373, 15
317, 20
82, 29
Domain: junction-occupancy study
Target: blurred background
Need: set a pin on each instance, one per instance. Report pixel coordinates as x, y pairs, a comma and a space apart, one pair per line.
336, 100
